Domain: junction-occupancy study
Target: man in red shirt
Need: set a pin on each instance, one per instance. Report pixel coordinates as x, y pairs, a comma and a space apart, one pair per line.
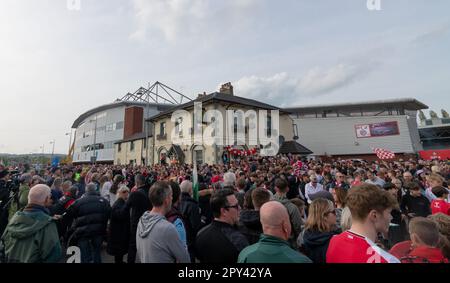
440, 204
371, 214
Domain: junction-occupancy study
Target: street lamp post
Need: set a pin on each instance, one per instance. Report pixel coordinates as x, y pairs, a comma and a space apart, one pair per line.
42, 157
95, 138
70, 140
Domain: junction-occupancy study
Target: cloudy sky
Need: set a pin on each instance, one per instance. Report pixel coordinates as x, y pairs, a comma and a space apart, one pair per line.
56, 63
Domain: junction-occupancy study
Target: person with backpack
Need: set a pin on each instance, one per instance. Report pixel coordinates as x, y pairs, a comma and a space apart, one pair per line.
174, 215
281, 188
157, 240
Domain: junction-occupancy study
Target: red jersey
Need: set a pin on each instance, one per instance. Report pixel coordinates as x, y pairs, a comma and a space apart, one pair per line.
349, 247
406, 253
439, 205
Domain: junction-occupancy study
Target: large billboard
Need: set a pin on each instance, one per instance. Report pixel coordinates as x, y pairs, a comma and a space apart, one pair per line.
377, 130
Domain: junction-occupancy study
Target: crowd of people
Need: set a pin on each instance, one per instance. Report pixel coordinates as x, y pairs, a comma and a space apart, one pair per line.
280, 209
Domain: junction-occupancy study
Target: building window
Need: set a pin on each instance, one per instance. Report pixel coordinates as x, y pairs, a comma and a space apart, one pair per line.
198, 155
428, 122
101, 115
119, 147
144, 142
178, 124
114, 126
132, 146
445, 120
162, 128
269, 125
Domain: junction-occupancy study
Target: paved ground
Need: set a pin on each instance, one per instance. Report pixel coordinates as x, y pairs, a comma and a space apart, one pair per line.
106, 258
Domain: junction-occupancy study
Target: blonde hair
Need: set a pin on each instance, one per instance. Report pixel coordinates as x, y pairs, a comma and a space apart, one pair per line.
436, 177
435, 169
443, 222
316, 216
346, 219
123, 188
426, 229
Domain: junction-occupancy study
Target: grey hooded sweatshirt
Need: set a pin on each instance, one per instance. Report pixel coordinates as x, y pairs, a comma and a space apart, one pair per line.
157, 241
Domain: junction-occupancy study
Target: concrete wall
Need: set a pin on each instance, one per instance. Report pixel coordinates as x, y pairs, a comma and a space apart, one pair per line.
337, 136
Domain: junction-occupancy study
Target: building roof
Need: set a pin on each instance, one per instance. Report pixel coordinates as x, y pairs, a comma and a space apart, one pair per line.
294, 148
138, 136
406, 103
82, 117
217, 97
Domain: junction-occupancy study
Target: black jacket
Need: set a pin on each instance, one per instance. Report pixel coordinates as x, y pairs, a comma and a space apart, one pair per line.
293, 184
420, 205
4, 197
119, 229
219, 242
90, 216
191, 213
4, 193
205, 209
59, 208
250, 226
138, 202
315, 244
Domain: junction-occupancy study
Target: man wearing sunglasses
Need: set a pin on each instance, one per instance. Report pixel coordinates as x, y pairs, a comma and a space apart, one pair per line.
339, 182
221, 241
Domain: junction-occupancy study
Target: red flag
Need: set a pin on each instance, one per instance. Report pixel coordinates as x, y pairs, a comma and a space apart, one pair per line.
383, 153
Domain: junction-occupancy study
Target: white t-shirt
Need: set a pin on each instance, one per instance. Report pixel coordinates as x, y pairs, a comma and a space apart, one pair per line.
105, 190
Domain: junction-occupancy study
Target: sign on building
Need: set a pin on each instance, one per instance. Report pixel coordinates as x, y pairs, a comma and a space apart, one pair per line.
377, 130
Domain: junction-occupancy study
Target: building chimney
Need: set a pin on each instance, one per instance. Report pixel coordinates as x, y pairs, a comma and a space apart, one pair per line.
200, 95
227, 89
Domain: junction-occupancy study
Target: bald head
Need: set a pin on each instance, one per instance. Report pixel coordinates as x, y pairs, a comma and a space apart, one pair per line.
273, 213
407, 175
275, 220
186, 186
39, 194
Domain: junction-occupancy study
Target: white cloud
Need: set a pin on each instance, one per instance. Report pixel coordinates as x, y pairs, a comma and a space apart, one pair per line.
432, 34
284, 89
174, 18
